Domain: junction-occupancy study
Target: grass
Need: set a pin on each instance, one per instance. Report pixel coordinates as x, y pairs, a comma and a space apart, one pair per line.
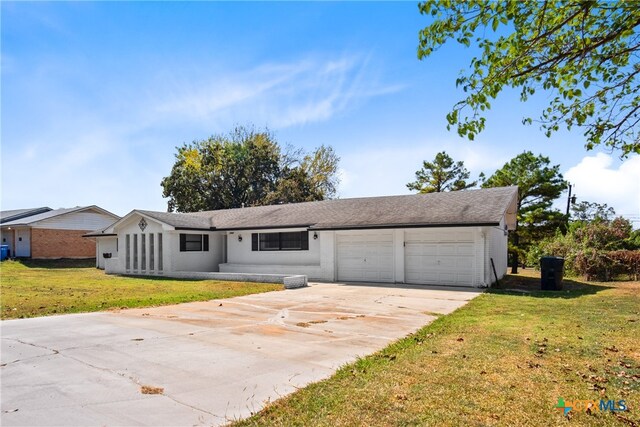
41, 288
503, 359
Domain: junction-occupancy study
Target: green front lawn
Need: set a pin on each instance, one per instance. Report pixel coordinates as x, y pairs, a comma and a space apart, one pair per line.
40, 288
503, 359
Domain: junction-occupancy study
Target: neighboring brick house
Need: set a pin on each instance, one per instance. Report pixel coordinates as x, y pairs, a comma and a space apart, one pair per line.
53, 233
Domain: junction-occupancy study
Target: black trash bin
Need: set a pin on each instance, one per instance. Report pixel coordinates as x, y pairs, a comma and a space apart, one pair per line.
551, 269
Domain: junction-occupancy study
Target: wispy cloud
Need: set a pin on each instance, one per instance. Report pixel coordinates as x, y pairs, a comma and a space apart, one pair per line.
278, 94
114, 146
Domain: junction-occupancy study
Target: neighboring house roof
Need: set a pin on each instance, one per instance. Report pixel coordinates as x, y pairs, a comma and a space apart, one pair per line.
181, 221
15, 214
457, 208
53, 213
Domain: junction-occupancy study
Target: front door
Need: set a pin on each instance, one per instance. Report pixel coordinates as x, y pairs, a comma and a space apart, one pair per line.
23, 242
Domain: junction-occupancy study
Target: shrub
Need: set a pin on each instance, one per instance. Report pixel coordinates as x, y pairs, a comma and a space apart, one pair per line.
627, 262
597, 250
594, 265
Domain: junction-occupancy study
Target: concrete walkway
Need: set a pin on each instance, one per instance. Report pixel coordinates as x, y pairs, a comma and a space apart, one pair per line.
216, 361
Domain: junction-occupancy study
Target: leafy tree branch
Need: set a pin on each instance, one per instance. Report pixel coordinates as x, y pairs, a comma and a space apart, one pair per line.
584, 52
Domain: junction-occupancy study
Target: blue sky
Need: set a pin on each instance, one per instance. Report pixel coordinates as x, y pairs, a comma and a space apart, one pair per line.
96, 96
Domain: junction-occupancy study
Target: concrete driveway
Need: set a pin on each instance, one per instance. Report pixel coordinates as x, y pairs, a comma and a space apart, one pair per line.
216, 361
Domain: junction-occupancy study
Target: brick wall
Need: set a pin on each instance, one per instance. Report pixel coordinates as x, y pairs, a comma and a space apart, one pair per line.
47, 243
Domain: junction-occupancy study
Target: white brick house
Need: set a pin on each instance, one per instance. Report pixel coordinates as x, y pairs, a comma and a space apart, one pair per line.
439, 238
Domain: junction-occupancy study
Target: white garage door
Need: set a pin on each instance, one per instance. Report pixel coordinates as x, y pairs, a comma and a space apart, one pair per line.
439, 262
366, 257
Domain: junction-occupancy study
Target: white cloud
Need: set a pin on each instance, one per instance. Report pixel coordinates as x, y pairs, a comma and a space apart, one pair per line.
602, 179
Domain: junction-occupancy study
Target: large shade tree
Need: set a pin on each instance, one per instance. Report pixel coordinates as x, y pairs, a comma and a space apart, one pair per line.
539, 184
442, 174
584, 54
247, 168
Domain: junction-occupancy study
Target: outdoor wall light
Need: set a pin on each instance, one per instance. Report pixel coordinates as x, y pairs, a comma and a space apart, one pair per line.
315, 236
239, 237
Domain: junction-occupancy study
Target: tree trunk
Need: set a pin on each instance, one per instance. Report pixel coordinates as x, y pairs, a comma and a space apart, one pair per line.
514, 258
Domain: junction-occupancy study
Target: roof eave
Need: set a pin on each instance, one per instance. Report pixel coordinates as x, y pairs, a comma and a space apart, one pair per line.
391, 226
196, 228
262, 227
100, 235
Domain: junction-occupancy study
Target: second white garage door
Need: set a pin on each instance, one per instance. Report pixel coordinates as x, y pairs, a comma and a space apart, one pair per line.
365, 257
439, 262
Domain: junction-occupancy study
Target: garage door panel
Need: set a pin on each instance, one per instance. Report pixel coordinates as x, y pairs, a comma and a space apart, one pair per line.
465, 249
448, 250
464, 263
444, 263
450, 263
421, 262
378, 252
447, 278
427, 249
420, 277
465, 278
462, 236
365, 257
378, 276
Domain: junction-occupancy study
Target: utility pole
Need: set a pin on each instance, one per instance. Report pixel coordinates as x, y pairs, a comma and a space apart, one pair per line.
569, 199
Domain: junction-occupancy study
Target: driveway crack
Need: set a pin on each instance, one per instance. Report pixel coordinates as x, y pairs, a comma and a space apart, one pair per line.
52, 350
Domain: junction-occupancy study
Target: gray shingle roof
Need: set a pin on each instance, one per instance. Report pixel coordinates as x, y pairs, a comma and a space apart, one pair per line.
181, 220
15, 214
469, 207
46, 215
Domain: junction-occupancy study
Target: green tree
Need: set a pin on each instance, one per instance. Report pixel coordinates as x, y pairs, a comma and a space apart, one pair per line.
587, 211
246, 168
306, 178
584, 53
321, 167
294, 186
538, 186
443, 174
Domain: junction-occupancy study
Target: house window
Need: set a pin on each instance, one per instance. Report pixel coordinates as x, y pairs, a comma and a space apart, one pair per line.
194, 243
159, 251
127, 250
288, 241
143, 251
269, 241
151, 252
